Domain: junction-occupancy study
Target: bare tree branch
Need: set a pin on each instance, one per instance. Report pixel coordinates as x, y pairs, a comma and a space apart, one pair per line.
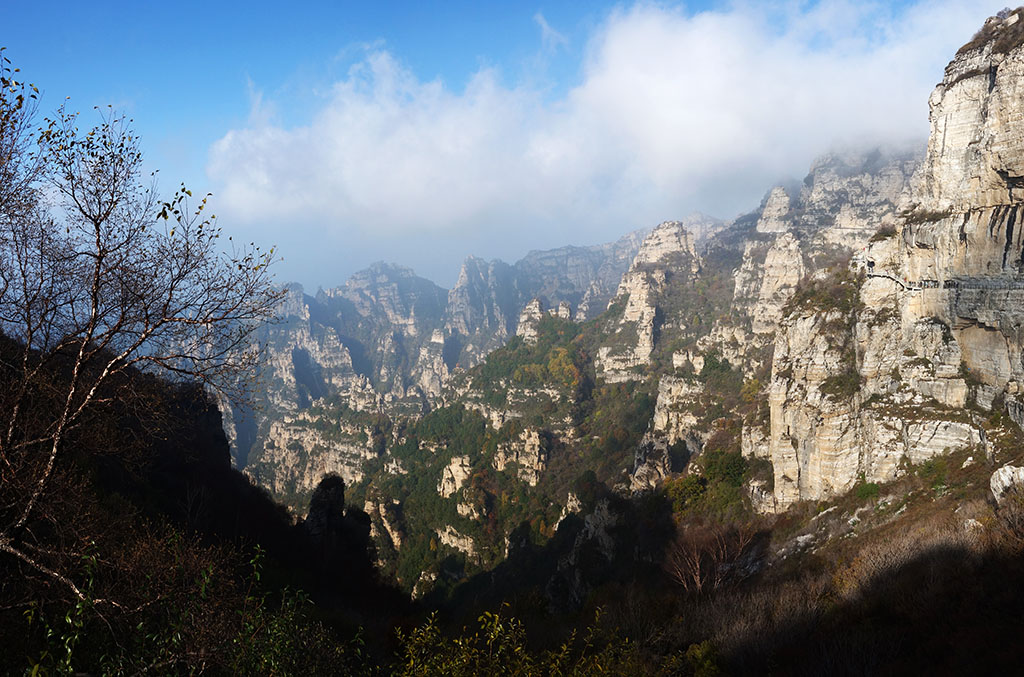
101, 279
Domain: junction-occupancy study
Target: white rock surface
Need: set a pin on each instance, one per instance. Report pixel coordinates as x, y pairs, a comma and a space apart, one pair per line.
454, 476
527, 456
1004, 479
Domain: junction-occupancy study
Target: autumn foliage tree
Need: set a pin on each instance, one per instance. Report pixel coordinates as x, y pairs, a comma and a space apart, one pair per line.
101, 280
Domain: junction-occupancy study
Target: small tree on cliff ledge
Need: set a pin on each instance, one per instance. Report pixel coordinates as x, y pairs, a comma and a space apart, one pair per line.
100, 279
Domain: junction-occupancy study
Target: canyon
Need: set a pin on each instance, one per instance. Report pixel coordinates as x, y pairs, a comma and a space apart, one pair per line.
856, 325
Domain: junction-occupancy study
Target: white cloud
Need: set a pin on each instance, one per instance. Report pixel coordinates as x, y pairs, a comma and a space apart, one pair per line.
551, 40
673, 112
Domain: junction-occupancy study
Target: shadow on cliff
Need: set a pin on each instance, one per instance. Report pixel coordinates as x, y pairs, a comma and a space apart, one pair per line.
955, 606
145, 506
181, 472
613, 541
949, 610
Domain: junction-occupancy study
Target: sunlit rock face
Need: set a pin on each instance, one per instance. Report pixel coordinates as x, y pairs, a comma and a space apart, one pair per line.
668, 255
388, 341
525, 456
964, 231
942, 302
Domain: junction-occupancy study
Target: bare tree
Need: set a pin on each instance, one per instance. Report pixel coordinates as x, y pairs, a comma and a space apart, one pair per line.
100, 280
704, 558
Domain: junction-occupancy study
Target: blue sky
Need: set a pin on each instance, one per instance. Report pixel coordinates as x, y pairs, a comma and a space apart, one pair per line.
417, 132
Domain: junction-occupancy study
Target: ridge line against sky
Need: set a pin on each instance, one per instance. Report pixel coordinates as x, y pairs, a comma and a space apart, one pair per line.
347, 133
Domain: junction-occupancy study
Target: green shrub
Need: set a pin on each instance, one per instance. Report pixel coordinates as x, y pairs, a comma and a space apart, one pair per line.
842, 386
934, 471
883, 233
725, 467
867, 491
839, 291
685, 492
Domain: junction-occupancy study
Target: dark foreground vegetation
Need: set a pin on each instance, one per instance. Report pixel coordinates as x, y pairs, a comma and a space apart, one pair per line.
186, 568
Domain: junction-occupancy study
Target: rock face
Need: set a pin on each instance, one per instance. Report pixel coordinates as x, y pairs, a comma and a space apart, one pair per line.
782, 271
674, 420
296, 455
668, 257
943, 296
1003, 480
965, 230
533, 313
775, 212
454, 476
453, 539
482, 307
389, 341
976, 147
531, 316
528, 455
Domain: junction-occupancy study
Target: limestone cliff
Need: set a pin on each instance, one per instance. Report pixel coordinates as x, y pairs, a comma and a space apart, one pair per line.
847, 330
390, 341
942, 299
667, 259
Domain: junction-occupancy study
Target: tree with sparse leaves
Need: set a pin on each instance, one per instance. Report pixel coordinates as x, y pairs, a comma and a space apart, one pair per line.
101, 281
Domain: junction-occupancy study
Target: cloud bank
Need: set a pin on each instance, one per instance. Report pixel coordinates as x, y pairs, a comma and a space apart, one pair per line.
672, 112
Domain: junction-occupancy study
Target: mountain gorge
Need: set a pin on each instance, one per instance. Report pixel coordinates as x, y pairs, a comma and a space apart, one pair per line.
389, 340
787, 443
853, 327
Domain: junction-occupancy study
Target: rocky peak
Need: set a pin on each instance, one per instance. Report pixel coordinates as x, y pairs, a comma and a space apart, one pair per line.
774, 212
326, 507
483, 305
531, 316
405, 299
976, 148
294, 303
669, 240
667, 259
703, 227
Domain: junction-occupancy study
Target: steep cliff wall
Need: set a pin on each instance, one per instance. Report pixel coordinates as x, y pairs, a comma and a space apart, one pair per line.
666, 263
942, 299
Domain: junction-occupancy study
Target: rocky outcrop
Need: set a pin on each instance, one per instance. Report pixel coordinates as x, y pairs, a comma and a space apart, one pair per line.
431, 372
454, 476
652, 464
482, 307
528, 454
865, 396
802, 231
1003, 480
775, 211
782, 270
962, 242
326, 517
529, 318
296, 454
667, 257
533, 313
674, 420
976, 148
824, 437
450, 537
